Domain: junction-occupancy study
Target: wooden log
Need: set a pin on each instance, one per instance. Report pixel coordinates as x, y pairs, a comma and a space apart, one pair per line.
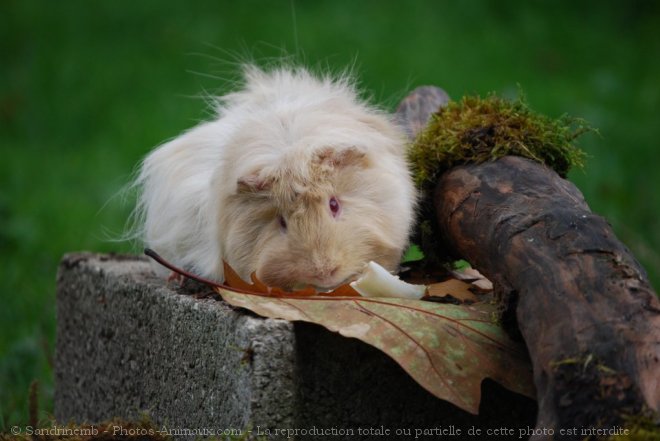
582, 303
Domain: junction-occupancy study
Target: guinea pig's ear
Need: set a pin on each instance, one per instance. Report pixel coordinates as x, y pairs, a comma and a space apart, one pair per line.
253, 183
339, 157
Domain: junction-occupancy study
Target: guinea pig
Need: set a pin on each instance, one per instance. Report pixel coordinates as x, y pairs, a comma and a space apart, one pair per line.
296, 179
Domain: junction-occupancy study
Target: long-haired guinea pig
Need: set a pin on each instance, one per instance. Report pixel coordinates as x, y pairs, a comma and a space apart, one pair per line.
296, 179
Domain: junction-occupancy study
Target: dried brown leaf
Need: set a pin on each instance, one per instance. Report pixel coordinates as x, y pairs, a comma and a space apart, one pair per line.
448, 349
233, 280
454, 288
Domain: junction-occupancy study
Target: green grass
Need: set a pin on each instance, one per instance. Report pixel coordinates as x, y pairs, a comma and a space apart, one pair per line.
87, 88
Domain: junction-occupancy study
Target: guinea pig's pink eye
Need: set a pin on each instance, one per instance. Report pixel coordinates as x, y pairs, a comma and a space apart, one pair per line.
282, 222
335, 207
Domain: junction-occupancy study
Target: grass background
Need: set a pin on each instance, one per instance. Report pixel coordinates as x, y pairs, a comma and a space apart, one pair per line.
87, 88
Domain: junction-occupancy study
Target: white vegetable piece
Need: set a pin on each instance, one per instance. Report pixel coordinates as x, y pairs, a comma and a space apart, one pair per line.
376, 281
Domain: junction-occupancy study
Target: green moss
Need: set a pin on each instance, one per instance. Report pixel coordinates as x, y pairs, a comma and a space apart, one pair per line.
476, 130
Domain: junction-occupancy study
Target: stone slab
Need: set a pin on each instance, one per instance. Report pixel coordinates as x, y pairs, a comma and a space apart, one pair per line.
129, 344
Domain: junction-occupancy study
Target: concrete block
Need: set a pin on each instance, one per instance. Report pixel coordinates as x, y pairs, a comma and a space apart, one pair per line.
129, 343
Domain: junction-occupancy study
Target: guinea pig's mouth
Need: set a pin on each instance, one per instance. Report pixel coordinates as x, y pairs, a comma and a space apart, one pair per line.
324, 289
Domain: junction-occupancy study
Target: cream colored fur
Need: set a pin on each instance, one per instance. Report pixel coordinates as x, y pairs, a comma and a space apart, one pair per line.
283, 145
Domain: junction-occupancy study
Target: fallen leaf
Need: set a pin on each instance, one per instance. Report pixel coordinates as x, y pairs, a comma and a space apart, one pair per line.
454, 288
447, 349
233, 280
474, 277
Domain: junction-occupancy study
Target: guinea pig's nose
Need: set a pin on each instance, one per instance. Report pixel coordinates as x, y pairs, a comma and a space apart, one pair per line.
325, 277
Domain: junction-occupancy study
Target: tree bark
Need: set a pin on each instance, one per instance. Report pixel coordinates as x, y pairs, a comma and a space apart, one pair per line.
574, 292
583, 304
